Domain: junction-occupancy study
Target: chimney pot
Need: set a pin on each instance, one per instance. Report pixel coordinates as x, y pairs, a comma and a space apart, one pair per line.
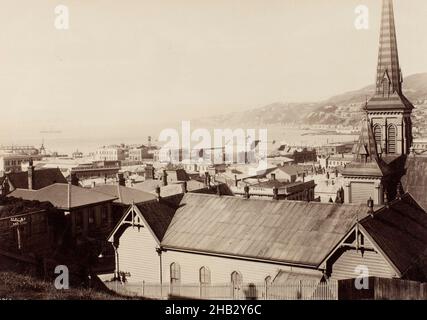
158, 193
275, 193
246, 189
371, 207
30, 174
165, 178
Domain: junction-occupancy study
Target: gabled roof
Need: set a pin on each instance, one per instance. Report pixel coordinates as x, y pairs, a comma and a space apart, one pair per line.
178, 174
58, 195
400, 232
156, 214
288, 232
124, 194
290, 170
415, 179
42, 178
159, 214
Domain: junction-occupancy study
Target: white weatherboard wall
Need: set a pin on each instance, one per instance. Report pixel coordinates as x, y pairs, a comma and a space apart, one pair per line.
221, 268
344, 267
138, 256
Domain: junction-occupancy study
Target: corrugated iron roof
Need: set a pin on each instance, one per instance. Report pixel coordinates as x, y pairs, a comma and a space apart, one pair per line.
415, 179
125, 195
57, 195
42, 178
400, 230
284, 231
159, 214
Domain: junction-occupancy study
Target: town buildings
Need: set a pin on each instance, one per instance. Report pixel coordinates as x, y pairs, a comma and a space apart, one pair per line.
111, 153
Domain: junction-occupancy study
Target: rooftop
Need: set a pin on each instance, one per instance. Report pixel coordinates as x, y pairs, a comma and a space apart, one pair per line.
58, 195
284, 231
400, 230
125, 195
42, 178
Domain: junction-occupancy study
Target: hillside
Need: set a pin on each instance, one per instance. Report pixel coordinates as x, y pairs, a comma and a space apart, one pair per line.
340, 109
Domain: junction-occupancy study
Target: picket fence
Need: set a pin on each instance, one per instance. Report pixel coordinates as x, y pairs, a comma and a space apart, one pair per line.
290, 290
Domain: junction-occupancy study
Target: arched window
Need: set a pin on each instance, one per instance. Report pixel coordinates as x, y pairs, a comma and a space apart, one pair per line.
236, 282
378, 136
175, 273
204, 275
391, 139
205, 281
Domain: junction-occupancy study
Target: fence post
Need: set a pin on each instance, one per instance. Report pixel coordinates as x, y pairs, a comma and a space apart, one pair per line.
143, 287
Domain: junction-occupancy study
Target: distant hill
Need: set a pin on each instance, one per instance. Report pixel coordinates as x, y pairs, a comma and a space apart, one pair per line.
343, 109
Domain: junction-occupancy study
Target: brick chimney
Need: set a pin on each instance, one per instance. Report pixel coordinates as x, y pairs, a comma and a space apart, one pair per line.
246, 189
158, 193
371, 207
275, 193
121, 179
184, 187
30, 175
207, 180
165, 178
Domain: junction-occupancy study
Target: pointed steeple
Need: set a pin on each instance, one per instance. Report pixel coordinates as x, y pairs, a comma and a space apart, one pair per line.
365, 150
389, 78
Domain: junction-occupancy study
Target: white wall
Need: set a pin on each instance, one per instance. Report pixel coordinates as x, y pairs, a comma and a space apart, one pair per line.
138, 256
221, 268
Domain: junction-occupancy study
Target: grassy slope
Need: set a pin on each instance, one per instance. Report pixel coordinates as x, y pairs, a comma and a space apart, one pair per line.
15, 286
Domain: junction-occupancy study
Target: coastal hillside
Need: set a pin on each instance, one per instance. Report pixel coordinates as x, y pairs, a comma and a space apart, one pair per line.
343, 109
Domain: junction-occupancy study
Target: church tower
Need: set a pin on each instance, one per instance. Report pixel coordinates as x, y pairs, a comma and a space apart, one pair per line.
389, 110
386, 133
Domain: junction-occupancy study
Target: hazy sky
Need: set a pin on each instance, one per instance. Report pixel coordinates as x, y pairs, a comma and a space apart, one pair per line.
124, 65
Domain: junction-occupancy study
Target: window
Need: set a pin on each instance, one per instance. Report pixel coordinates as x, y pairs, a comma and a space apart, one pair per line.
391, 139
205, 281
378, 136
236, 282
175, 274
205, 275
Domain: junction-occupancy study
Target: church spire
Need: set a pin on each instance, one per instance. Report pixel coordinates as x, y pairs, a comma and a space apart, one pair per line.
389, 79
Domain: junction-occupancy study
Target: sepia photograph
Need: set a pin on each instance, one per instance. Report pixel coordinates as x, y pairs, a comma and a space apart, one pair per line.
231, 151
